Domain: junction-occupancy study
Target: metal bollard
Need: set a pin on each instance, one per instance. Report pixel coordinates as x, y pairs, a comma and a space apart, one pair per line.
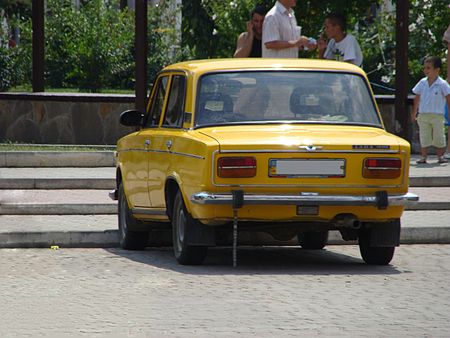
238, 202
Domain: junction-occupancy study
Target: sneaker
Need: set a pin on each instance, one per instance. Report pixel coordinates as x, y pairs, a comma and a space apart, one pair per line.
423, 160
441, 159
447, 155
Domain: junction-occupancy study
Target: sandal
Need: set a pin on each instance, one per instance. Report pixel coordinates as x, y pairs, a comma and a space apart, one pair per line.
441, 160
423, 160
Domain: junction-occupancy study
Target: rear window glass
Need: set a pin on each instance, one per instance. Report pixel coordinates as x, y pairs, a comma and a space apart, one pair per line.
285, 96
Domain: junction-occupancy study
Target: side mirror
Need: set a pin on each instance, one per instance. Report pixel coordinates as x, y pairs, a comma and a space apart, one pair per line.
131, 118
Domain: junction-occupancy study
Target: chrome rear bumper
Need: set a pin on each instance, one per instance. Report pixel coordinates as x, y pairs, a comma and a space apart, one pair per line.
379, 200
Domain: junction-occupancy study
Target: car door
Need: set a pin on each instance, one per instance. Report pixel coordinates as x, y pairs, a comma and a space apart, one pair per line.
164, 140
145, 137
139, 153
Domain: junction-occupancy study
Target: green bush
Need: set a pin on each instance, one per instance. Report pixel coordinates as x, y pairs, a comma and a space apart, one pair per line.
89, 47
5, 68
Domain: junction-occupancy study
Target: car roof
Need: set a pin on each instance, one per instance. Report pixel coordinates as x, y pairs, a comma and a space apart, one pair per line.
211, 65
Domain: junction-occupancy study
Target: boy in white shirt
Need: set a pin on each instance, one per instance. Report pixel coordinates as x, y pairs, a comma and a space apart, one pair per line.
432, 92
341, 46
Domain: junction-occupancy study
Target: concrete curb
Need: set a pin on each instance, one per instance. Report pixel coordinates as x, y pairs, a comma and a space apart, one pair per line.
109, 238
57, 159
109, 183
58, 183
430, 181
58, 209
68, 239
111, 208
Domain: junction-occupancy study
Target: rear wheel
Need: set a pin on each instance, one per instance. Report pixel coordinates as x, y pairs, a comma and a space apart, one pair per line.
128, 239
374, 255
313, 240
181, 224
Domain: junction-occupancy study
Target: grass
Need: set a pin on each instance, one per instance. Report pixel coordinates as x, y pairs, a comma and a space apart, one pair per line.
10, 146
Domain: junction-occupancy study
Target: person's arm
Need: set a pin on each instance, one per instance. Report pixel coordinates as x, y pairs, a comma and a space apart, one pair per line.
280, 44
416, 107
244, 43
448, 103
243, 46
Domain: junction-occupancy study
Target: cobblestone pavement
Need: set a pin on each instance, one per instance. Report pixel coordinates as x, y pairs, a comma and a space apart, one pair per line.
274, 292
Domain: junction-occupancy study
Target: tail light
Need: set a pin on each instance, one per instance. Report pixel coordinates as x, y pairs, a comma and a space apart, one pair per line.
238, 167
382, 168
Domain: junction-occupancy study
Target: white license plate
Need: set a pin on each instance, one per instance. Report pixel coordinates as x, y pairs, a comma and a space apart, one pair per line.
307, 167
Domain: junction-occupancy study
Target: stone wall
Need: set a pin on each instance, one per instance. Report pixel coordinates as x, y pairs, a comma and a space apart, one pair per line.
63, 118
53, 118
386, 104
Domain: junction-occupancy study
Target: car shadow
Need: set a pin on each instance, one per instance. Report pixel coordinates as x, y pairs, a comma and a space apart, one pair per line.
262, 261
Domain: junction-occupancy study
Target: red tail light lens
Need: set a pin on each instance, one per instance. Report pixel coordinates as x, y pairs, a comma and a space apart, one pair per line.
238, 167
382, 168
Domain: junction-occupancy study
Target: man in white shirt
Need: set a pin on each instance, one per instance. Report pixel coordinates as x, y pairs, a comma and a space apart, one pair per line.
341, 46
281, 36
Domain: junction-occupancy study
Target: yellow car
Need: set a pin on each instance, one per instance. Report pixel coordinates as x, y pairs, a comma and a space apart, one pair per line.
291, 147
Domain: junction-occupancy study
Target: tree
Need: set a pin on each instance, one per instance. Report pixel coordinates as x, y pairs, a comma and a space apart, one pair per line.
213, 32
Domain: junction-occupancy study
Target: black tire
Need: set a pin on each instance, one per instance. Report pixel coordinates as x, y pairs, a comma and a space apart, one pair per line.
313, 240
181, 221
129, 240
374, 255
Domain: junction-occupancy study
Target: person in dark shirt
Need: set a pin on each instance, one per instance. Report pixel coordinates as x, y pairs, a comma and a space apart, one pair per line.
249, 42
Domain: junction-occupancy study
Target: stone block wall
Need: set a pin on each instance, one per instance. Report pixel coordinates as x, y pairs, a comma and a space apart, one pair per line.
55, 118
386, 104
48, 118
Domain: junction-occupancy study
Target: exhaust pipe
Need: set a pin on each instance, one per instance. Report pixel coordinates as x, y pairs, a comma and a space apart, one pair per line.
348, 221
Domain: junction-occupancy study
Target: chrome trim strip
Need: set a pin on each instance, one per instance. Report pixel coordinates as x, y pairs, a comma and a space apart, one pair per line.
369, 151
308, 185
382, 168
207, 198
145, 211
164, 152
132, 149
188, 155
236, 167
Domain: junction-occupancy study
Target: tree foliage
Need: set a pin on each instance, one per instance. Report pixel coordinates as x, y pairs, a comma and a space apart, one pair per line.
92, 47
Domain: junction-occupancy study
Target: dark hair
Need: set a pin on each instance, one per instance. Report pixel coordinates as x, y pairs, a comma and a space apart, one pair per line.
434, 60
261, 10
338, 19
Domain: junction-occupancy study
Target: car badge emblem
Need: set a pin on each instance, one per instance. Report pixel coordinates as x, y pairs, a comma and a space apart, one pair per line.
310, 147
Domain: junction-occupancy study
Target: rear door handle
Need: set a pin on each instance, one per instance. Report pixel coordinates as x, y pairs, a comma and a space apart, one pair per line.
169, 144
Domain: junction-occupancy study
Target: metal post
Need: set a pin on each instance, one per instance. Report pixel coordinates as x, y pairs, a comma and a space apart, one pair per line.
238, 202
38, 45
235, 236
401, 67
141, 54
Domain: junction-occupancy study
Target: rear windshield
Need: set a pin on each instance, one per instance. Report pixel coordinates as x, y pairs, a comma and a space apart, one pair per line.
284, 97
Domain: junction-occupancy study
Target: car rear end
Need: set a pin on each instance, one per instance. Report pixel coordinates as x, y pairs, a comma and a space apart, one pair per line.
284, 178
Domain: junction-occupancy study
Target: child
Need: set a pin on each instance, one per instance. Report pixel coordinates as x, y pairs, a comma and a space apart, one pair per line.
341, 46
428, 109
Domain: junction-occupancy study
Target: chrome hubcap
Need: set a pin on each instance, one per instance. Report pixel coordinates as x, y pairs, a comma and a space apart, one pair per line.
181, 221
